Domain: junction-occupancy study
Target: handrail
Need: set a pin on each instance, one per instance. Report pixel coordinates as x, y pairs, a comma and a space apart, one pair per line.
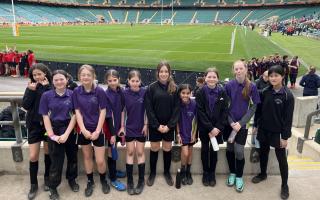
305, 137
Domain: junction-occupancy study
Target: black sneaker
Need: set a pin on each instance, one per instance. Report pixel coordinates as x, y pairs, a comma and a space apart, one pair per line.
139, 188
89, 189
168, 178
151, 179
105, 187
259, 178
284, 192
74, 185
54, 194
183, 177
189, 178
46, 183
130, 188
33, 191
212, 180
205, 179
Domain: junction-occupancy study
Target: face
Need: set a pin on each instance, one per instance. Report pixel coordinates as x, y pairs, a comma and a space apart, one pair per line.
211, 79
163, 74
60, 81
275, 79
38, 75
185, 95
134, 83
240, 70
86, 77
265, 76
113, 82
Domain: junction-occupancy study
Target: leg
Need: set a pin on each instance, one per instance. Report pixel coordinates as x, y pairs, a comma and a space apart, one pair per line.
240, 161
264, 155
99, 153
34, 150
213, 156
205, 160
141, 166
188, 170
72, 163
184, 158
88, 166
155, 146
166, 147
129, 166
283, 165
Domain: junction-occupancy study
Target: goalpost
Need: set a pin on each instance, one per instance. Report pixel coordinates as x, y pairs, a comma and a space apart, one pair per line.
15, 26
233, 37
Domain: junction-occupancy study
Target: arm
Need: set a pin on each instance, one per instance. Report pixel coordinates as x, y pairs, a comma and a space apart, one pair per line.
201, 111
302, 81
153, 121
123, 114
175, 113
145, 126
250, 112
47, 125
63, 138
224, 117
288, 115
28, 99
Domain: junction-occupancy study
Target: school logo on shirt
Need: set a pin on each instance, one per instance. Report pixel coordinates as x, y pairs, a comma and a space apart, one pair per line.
94, 100
190, 114
278, 101
67, 102
140, 100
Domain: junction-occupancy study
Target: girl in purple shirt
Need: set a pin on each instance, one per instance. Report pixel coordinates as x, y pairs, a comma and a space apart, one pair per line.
115, 101
135, 129
89, 102
186, 131
244, 98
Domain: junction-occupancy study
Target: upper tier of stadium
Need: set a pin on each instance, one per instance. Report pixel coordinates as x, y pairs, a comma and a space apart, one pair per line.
184, 3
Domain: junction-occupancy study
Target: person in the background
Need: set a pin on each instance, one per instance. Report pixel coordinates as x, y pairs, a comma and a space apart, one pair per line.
7, 131
263, 81
294, 65
310, 82
31, 58
199, 85
285, 66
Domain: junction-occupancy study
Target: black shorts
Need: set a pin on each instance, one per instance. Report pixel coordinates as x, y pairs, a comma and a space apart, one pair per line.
11, 64
138, 139
36, 133
269, 138
189, 144
241, 136
99, 142
156, 136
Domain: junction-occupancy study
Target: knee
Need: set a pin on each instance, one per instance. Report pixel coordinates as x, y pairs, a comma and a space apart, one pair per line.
239, 155
130, 153
100, 163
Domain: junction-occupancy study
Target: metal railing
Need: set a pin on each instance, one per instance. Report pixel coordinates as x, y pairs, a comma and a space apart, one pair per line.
14, 99
305, 137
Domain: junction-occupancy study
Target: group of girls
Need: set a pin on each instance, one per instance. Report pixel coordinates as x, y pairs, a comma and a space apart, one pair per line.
159, 112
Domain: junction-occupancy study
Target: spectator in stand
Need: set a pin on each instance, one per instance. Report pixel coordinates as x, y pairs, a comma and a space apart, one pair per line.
285, 66
2, 71
16, 63
199, 85
310, 82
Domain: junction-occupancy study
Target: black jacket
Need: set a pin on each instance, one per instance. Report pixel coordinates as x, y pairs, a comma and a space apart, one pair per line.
161, 107
31, 101
310, 84
275, 112
208, 120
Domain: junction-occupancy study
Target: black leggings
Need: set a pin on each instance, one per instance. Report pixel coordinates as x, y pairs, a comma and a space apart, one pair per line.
281, 157
208, 156
293, 78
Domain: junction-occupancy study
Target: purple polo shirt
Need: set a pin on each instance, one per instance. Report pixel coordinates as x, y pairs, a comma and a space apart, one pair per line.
89, 104
239, 106
187, 115
211, 95
134, 105
58, 108
115, 101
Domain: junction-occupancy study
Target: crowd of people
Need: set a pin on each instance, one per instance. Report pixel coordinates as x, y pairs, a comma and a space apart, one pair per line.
14, 63
160, 113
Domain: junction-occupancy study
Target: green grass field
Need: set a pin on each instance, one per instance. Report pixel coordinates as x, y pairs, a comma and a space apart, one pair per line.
186, 47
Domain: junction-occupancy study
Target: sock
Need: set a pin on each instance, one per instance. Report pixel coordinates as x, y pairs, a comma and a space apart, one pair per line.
153, 161
33, 169
102, 177
90, 177
231, 161
112, 169
239, 166
47, 163
141, 168
129, 168
188, 168
166, 161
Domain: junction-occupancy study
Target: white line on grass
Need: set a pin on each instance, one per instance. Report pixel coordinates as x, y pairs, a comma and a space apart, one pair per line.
124, 49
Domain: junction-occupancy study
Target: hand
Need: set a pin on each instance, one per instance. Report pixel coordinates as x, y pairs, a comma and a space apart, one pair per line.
236, 126
145, 130
121, 130
161, 129
215, 132
254, 131
95, 135
113, 140
179, 139
166, 129
44, 82
32, 86
63, 138
86, 134
283, 143
55, 138
193, 140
